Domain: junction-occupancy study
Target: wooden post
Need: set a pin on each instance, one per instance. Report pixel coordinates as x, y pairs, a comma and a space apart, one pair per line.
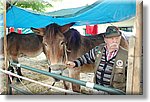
138, 49
5, 39
129, 85
8, 82
134, 55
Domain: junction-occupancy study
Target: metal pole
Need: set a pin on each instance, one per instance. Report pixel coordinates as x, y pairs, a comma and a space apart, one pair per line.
79, 82
37, 82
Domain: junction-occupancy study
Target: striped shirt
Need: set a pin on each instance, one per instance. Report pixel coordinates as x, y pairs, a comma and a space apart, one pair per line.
103, 73
87, 58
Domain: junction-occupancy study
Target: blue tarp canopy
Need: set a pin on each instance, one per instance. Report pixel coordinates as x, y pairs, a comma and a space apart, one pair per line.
102, 11
66, 12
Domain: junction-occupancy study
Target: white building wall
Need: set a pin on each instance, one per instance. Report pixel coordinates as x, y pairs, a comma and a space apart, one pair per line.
127, 23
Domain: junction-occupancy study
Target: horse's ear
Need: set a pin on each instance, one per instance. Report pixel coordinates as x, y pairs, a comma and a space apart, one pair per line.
38, 31
124, 43
66, 27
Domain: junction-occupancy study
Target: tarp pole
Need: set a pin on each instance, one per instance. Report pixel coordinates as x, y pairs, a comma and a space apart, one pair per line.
134, 71
5, 38
138, 49
8, 88
129, 84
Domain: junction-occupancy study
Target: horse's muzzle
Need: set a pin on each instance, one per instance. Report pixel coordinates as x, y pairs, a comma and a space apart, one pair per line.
59, 72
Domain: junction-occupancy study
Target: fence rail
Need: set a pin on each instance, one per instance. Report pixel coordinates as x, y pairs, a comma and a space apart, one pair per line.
33, 81
72, 80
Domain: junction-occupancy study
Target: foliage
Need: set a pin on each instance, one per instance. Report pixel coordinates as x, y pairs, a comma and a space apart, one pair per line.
35, 5
1, 7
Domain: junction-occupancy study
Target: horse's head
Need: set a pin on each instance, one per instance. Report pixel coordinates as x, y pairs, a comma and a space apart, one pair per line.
54, 43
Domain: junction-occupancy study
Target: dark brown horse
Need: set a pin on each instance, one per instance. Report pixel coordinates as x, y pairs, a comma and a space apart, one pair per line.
19, 45
62, 43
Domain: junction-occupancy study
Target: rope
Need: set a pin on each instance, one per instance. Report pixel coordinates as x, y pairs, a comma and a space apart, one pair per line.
66, 52
43, 84
24, 85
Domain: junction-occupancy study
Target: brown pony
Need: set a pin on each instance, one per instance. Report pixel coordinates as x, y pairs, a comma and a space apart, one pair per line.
62, 43
19, 45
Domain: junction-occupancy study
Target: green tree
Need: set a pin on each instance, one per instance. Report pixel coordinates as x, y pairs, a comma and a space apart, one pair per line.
35, 5
1, 7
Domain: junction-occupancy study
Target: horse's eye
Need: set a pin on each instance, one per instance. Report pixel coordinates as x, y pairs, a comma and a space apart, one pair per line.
62, 42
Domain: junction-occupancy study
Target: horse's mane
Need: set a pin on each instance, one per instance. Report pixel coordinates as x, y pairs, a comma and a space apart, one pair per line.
73, 39
72, 36
51, 30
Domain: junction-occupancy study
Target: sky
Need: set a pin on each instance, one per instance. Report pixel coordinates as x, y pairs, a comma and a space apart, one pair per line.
69, 4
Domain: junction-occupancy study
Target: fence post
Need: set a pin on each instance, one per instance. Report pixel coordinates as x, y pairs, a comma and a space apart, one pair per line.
138, 49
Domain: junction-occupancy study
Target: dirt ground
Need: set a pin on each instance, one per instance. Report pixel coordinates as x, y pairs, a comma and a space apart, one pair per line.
40, 62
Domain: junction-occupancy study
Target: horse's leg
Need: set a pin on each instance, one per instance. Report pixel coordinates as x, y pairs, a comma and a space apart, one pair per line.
75, 73
11, 69
66, 84
18, 69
